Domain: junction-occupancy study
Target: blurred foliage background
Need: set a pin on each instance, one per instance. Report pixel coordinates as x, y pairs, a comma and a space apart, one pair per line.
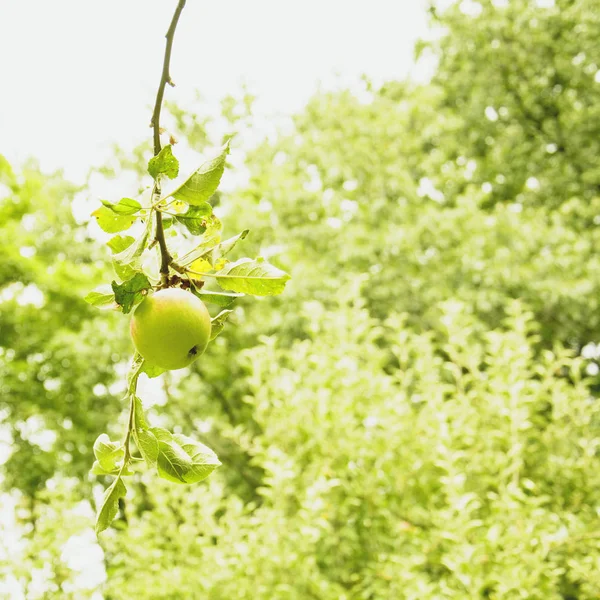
416, 417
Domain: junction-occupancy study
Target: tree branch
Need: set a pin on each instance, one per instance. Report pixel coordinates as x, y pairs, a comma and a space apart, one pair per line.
165, 78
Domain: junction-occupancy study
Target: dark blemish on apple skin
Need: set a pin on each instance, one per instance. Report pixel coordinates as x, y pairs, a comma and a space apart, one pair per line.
193, 351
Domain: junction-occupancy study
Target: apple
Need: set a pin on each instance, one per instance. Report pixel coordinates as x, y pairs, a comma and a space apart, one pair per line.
171, 328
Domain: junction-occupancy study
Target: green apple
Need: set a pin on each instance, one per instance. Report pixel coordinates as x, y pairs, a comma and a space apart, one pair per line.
171, 328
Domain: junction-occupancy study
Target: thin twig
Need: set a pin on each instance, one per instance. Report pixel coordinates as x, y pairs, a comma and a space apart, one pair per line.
165, 78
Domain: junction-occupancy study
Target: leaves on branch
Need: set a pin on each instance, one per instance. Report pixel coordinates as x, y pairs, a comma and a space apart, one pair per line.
102, 297
110, 504
222, 299
131, 292
195, 218
118, 243
132, 253
203, 183
151, 370
256, 277
144, 438
108, 453
111, 222
181, 459
125, 206
164, 163
218, 323
209, 253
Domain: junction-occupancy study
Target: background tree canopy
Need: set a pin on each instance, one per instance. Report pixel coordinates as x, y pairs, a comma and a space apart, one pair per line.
416, 417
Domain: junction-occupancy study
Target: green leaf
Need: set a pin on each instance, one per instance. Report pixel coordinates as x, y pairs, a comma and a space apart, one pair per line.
102, 297
211, 253
118, 243
111, 222
203, 183
125, 206
144, 438
98, 470
164, 163
226, 246
181, 459
256, 277
132, 254
131, 292
124, 272
204, 460
110, 504
195, 218
217, 323
209, 240
151, 370
148, 445
222, 299
108, 453
140, 418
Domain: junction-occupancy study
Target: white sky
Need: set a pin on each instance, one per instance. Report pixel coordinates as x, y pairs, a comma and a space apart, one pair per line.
78, 75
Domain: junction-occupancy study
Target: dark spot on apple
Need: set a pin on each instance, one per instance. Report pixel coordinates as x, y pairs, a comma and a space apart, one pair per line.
193, 351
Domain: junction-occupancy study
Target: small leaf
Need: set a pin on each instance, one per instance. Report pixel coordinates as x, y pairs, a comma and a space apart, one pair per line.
151, 370
145, 439
217, 323
204, 460
108, 453
257, 277
181, 459
148, 445
131, 292
125, 206
111, 222
203, 183
195, 218
140, 418
102, 297
131, 255
172, 461
98, 470
222, 299
201, 265
205, 258
118, 243
110, 504
124, 272
164, 163
226, 246
209, 240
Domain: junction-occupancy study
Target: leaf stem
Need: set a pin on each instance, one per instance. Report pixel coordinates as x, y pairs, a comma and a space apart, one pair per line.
165, 78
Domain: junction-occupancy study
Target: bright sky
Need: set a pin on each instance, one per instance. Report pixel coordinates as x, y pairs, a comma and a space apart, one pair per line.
78, 76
